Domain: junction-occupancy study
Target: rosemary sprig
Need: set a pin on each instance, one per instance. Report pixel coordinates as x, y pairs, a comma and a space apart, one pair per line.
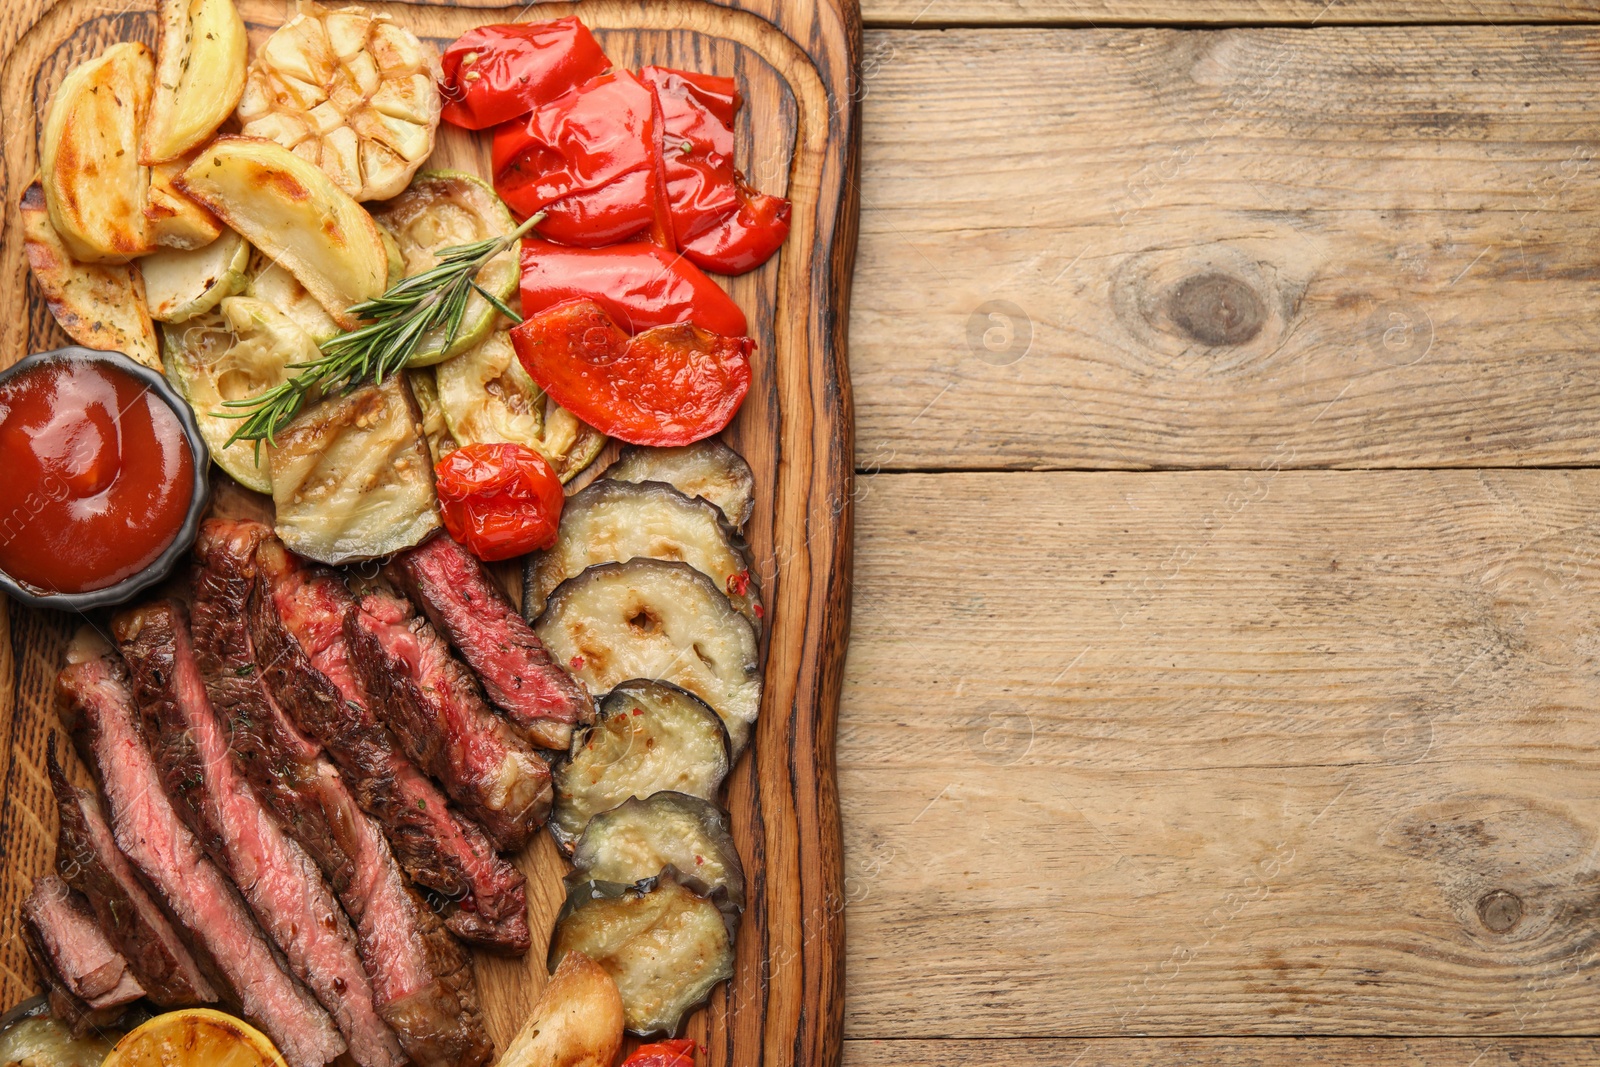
396, 324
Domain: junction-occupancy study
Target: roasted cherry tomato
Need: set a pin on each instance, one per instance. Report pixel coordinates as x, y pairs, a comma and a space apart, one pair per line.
671, 385
496, 73
676, 1053
588, 160
500, 500
718, 220
639, 284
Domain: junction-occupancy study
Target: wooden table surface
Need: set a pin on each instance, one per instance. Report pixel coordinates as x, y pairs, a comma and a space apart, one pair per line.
1223, 676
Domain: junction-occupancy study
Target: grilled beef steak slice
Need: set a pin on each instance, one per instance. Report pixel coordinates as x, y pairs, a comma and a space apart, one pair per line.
283, 887
90, 982
464, 604
207, 908
298, 627
422, 983
280, 763
87, 857
432, 704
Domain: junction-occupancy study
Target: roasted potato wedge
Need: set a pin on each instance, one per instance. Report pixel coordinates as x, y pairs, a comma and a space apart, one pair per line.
270, 282
577, 1021
175, 220
297, 216
89, 156
99, 305
200, 76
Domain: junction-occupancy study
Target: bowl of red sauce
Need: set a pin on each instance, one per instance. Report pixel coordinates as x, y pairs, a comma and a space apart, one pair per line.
102, 478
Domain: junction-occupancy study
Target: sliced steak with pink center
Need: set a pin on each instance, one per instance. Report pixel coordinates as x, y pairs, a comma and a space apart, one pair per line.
422, 981
87, 857
432, 704
194, 891
283, 887
298, 628
90, 981
464, 604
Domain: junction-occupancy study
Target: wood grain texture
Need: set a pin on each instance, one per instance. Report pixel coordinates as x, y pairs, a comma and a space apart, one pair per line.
798, 134
933, 13
1350, 247
1224, 753
1228, 1052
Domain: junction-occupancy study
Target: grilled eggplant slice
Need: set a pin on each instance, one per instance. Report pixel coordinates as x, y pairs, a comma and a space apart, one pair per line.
352, 479
651, 737
243, 349
89, 155
707, 469
272, 283
99, 305
665, 945
639, 838
444, 208
182, 284
297, 216
200, 76
489, 399
612, 522
648, 618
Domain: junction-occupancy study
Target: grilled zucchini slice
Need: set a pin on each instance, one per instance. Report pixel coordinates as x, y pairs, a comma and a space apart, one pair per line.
612, 521
651, 737
707, 469
99, 305
351, 477
648, 618
180, 285
665, 945
444, 208
639, 838
239, 351
488, 398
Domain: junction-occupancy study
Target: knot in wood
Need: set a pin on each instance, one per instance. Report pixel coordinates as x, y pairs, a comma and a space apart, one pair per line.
1500, 910
1216, 309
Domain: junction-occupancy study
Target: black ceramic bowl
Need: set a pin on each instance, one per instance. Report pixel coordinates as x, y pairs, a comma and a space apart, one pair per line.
199, 499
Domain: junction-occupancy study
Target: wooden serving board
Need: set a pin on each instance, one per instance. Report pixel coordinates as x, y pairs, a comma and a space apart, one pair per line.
796, 64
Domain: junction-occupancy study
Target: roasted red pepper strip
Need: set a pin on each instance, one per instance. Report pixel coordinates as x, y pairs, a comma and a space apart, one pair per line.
500, 500
720, 222
496, 73
671, 385
639, 284
586, 159
676, 1053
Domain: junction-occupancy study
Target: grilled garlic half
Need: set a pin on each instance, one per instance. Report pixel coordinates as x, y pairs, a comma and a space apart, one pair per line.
350, 91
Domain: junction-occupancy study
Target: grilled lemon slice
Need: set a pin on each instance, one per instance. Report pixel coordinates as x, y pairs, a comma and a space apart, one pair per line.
350, 91
195, 1037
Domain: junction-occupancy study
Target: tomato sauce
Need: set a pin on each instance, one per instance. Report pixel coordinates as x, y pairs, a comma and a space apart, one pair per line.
96, 475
